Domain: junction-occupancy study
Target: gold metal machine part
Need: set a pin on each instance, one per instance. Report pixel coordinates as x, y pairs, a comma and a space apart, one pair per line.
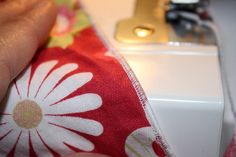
149, 25
146, 26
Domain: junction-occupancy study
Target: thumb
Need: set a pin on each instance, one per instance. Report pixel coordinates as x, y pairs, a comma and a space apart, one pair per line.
22, 29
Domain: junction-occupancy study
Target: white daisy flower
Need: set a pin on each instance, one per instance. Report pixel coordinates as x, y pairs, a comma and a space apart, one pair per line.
34, 118
140, 143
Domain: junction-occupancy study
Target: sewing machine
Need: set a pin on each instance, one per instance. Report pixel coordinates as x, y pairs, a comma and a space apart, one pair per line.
178, 66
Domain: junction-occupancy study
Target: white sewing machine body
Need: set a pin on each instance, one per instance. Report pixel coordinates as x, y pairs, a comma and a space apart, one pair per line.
183, 84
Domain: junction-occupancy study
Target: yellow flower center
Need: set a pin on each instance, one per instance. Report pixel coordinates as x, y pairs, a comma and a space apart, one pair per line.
27, 114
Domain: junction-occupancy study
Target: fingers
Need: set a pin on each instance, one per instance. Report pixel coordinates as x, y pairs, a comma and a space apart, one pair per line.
21, 34
11, 8
40, 19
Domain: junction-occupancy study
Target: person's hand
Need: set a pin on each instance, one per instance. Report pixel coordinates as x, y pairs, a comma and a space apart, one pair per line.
24, 26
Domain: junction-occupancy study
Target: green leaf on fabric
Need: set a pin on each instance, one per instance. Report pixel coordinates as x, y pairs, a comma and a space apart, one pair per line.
82, 22
60, 41
69, 3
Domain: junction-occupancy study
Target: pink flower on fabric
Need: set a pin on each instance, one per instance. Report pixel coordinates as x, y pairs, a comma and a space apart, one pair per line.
65, 22
32, 122
69, 22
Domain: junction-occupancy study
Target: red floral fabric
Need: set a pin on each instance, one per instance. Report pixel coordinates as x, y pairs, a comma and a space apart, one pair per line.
76, 98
